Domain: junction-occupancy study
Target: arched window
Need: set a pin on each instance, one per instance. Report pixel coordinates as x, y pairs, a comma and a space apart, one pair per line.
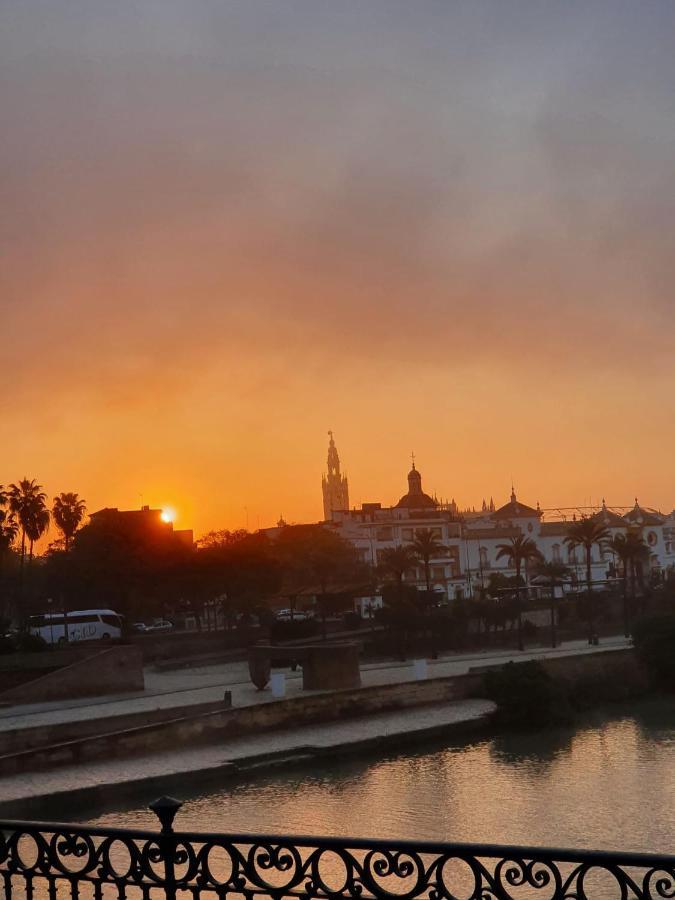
484, 562
556, 553
572, 555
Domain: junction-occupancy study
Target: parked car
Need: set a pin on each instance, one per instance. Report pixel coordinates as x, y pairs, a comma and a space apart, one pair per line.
159, 625
140, 627
287, 615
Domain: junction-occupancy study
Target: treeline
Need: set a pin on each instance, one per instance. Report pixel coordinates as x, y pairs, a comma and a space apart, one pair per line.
145, 572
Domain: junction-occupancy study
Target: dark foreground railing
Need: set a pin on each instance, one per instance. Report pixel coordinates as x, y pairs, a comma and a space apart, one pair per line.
53, 861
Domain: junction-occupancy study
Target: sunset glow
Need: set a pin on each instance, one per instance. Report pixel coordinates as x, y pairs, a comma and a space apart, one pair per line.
430, 227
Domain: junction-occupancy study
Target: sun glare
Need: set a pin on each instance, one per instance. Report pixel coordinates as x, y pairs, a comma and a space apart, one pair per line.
168, 514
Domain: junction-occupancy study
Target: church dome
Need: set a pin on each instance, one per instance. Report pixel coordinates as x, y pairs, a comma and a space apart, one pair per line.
415, 498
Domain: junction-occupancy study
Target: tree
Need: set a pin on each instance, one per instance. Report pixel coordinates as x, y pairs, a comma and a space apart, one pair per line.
222, 537
239, 568
8, 532
8, 524
37, 524
68, 511
26, 499
554, 573
630, 548
396, 562
586, 532
318, 561
399, 598
520, 550
427, 547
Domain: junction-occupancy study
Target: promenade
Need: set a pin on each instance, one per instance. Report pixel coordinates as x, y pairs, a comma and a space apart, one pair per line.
185, 687
235, 756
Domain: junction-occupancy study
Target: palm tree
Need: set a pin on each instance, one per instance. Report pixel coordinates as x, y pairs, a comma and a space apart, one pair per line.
25, 499
586, 532
37, 524
426, 547
396, 562
68, 511
8, 527
555, 573
519, 550
8, 532
630, 548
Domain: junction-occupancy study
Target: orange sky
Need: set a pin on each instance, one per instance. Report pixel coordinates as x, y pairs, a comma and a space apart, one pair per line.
229, 227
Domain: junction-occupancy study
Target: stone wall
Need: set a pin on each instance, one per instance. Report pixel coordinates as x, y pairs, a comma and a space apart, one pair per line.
114, 670
307, 709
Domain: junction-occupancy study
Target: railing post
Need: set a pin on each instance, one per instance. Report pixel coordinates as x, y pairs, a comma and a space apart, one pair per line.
165, 808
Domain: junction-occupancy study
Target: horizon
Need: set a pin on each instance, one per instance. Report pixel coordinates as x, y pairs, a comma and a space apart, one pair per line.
230, 228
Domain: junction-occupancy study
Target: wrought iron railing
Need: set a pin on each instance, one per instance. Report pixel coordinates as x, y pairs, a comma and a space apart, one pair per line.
75, 862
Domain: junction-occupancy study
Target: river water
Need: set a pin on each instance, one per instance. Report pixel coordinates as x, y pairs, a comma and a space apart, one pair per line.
608, 783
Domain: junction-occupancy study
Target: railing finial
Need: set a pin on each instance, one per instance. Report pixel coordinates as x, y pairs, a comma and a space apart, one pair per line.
165, 808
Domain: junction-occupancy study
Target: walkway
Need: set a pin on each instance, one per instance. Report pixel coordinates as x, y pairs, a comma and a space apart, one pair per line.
167, 690
240, 754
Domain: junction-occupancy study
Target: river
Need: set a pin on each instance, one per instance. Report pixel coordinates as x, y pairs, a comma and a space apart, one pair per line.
608, 783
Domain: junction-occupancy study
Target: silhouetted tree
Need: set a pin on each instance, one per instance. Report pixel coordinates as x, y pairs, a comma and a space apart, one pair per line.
26, 499
426, 547
554, 574
587, 532
318, 561
394, 563
631, 549
68, 511
9, 530
518, 551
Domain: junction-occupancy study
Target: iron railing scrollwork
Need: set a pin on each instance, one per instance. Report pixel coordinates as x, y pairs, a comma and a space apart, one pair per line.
42, 861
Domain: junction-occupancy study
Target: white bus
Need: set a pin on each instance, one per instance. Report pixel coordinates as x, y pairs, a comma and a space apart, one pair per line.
83, 625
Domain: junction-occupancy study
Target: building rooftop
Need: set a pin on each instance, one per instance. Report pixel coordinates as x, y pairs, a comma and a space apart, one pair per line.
516, 510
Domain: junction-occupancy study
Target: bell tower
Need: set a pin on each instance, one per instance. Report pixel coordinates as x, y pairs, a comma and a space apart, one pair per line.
334, 484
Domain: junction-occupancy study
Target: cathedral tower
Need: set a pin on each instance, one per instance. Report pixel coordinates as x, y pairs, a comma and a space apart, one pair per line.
335, 488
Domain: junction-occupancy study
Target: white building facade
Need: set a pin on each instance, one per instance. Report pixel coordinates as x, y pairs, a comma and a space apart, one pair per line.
471, 540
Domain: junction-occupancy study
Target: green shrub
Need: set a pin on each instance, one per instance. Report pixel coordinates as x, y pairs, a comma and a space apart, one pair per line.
527, 696
654, 640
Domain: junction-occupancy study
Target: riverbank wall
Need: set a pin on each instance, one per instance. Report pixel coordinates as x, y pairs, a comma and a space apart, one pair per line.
89, 673
192, 726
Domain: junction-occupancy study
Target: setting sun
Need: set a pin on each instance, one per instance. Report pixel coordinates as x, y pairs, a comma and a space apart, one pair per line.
168, 514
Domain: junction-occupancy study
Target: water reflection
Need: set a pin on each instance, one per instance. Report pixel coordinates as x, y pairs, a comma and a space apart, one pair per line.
607, 784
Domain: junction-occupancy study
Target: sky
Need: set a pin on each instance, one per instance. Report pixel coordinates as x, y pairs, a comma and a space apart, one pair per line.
227, 226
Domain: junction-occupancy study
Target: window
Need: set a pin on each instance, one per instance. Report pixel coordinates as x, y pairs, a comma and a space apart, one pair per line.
385, 533
484, 561
438, 573
571, 555
81, 619
406, 534
112, 620
556, 553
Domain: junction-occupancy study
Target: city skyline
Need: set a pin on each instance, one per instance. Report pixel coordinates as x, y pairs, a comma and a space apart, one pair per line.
446, 501
229, 228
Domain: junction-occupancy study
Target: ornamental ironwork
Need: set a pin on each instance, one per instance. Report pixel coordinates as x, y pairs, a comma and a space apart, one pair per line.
75, 862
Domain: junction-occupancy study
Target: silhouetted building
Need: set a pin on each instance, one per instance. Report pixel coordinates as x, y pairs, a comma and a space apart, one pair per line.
416, 498
334, 484
144, 523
